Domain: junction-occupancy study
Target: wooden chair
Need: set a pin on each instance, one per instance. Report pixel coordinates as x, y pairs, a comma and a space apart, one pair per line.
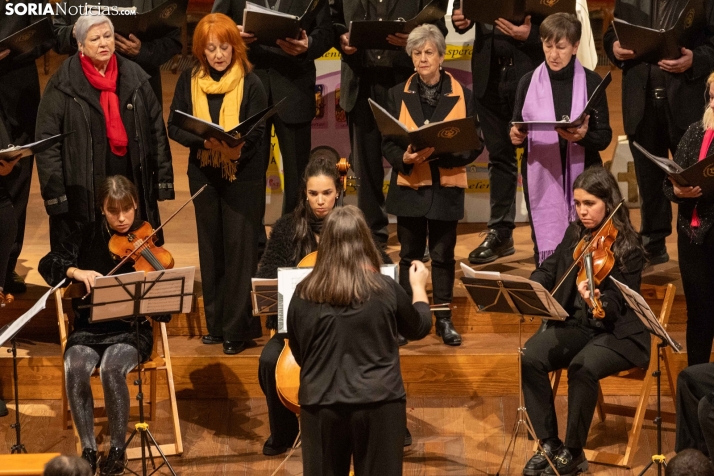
648, 382
159, 361
32, 464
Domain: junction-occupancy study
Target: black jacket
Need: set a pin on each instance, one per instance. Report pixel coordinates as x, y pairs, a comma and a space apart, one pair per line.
599, 132
686, 156
685, 91
345, 11
250, 166
620, 330
152, 54
526, 54
68, 171
434, 202
283, 75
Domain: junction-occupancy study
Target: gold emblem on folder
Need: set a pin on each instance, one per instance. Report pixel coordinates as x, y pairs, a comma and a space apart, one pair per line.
549, 3
166, 12
449, 132
689, 20
709, 171
23, 38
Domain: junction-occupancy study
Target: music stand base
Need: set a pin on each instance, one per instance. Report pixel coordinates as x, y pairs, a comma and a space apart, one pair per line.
147, 441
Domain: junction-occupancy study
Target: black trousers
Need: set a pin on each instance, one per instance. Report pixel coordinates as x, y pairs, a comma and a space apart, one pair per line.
295, 141
695, 409
412, 234
495, 111
366, 144
18, 187
228, 220
696, 266
8, 225
283, 423
570, 346
659, 135
373, 434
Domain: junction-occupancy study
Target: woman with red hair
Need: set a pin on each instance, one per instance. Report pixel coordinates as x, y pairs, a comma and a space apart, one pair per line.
221, 89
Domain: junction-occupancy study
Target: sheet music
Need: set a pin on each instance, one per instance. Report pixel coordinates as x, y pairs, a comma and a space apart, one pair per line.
638, 304
167, 305
111, 301
15, 327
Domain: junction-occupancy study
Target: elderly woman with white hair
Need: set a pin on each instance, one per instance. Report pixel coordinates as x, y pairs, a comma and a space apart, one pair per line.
117, 129
426, 193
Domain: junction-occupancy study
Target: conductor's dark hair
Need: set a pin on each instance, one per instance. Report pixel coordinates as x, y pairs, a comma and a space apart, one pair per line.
689, 462
599, 181
67, 466
304, 238
561, 25
117, 191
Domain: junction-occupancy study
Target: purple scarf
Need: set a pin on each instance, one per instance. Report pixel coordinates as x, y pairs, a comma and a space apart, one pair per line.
551, 194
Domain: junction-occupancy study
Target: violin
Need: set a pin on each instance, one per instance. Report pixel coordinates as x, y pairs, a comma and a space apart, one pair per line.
140, 247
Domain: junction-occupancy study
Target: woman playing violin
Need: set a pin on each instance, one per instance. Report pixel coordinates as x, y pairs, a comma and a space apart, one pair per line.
589, 348
110, 345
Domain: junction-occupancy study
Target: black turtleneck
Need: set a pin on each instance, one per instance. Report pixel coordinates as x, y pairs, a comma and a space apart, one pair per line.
429, 96
215, 101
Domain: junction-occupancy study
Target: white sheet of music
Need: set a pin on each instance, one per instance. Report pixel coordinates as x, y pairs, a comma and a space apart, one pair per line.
16, 326
153, 303
111, 301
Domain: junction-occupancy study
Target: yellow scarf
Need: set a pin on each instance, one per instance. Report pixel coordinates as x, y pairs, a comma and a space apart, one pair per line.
421, 174
231, 85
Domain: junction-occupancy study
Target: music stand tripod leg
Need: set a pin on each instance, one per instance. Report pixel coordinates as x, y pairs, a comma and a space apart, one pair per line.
659, 459
18, 447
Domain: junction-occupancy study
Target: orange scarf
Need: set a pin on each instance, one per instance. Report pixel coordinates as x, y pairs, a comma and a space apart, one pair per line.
421, 173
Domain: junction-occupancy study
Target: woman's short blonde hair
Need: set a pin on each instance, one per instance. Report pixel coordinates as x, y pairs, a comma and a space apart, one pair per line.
423, 34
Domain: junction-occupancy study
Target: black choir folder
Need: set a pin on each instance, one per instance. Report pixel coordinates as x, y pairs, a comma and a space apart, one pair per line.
446, 137
22, 151
488, 11
372, 34
700, 174
652, 45
234, 137
153, 24
269, 25
29, 38
566, 122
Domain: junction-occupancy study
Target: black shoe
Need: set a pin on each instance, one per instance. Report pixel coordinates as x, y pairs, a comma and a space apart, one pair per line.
90, 456
566, 464
658, 258
114, 463
3, 409
209, 339
273, 448
537, 464
15, 284
445, 330
401, 340
492, 248
407, 437
237, 346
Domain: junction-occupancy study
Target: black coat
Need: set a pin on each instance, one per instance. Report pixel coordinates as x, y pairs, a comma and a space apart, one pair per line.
152, 54
620, 330
526, 55
345, 11
283, 75
251, 166
685, 91
434, 202
68, 171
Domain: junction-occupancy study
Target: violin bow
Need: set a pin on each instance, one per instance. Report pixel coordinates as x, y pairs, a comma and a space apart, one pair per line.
126, 258
587, 247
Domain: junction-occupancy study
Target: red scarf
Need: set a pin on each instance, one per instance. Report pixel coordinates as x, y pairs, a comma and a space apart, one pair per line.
107, 84
708, 136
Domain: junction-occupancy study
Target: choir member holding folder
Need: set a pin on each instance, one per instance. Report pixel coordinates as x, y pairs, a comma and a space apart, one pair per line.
222, 89
287, 71
559, 87
369, 74
662, 100
426, 193
695, 238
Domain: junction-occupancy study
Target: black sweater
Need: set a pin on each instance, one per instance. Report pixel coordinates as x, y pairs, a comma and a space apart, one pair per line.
350, 354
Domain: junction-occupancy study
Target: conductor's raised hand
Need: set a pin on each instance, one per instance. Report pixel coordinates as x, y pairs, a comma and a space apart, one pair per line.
520, 32
679, 65
459, 20
685, 192
413, 158
248, 38
517, 135
295, 47
621, 53
345, 44
230, 153
85, 276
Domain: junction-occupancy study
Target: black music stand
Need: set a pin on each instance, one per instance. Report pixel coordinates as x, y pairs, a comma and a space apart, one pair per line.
514, 295
168, 295
638, 304
9, 333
